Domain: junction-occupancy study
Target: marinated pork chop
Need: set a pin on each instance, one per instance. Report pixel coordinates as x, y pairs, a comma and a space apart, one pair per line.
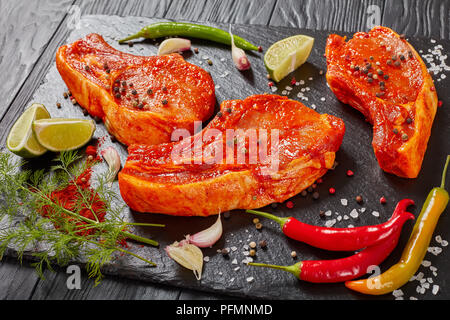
380, 74
140, 99
215, 171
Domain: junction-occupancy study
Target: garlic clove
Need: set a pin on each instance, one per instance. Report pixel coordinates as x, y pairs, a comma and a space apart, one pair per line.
239, 57
173, 45
187, 255
207, 237
112, 158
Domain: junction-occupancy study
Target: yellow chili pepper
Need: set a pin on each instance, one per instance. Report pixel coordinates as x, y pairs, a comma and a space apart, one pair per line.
415, 250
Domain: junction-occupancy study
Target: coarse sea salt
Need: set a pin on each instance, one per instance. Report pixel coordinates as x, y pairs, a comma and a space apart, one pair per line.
435, 289
354, 214
206, 259
250, 279
375, 214
234, 261
344, 202
328, 213
330, 223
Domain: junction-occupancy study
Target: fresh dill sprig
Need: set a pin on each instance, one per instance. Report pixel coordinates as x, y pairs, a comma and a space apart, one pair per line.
50, 231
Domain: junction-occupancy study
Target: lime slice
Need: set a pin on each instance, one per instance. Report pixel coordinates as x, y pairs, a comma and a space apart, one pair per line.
21, 139
286, 55
60, 134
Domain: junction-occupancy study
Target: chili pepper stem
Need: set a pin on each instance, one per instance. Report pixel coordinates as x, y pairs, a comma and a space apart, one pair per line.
279, 220
294, 269
444, 173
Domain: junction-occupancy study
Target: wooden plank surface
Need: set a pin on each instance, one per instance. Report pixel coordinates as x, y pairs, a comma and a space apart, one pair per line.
35, 29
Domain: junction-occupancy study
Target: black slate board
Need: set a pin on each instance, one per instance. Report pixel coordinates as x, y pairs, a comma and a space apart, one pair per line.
356, 154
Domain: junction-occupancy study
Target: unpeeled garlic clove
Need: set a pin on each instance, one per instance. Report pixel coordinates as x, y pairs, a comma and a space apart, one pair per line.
207, 237
187, 255
173, 45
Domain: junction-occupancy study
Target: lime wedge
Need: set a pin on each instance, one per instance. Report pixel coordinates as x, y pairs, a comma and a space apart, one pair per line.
21, 139
60, 134
286, 55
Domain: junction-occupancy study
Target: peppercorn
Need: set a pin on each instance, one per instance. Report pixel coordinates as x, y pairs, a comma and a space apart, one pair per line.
402, 36
371, 58
85, 112
359, 199
196, 50
304, 193
316, 195
130, 44
252, 252
380, 72
209, 62
255, 220
408, 120
410, 54
322, 214
370, 74
58, 105
116, 89
74, 102
397, 63
310, 189
118, 95
294, 254
369, 80
382, 200
404, 137
356, 68
117, 81
395, 131
65, 95
263, 244
386, 77
140, 105
228, 110
124, 83
97, 119
134, 92
259, 226
381, 83
219, 114
108, 71
225, 251
113, 138
350, 173
226, 214
87, 68
260, 49
252, 244
394, 57
164, 89
149, 91
402, 57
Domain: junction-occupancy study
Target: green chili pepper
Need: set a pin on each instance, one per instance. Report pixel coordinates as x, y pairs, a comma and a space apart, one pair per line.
167, 29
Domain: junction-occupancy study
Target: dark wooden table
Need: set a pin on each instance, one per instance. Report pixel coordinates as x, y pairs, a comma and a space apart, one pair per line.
32, 30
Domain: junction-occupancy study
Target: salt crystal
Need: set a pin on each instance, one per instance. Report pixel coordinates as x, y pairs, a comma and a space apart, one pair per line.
246, 253
444, 243
399, 298
435, 250
354, 214
426, 285
433, 41
234, 261
302, 82
284, 92
413, 298
302, 89
344, 202
250, 279
397, 293
245, 247
432, 268
249, 259
232, 279
222, 59
220, 273
330, 223
322, 99
206, 259
328, 213
375, 213
426, 263
321, 72
233, 248
310, 78
313, 106
288, 88
274, 88
430, 280
423, 280
237, 268
217, 87
419, 276
362, 210
339, 218
438, 239
205, 57
435, 289
346, 217
350, 226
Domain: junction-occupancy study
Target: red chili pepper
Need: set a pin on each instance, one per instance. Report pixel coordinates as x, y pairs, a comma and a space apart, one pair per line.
340, 270
342, 239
